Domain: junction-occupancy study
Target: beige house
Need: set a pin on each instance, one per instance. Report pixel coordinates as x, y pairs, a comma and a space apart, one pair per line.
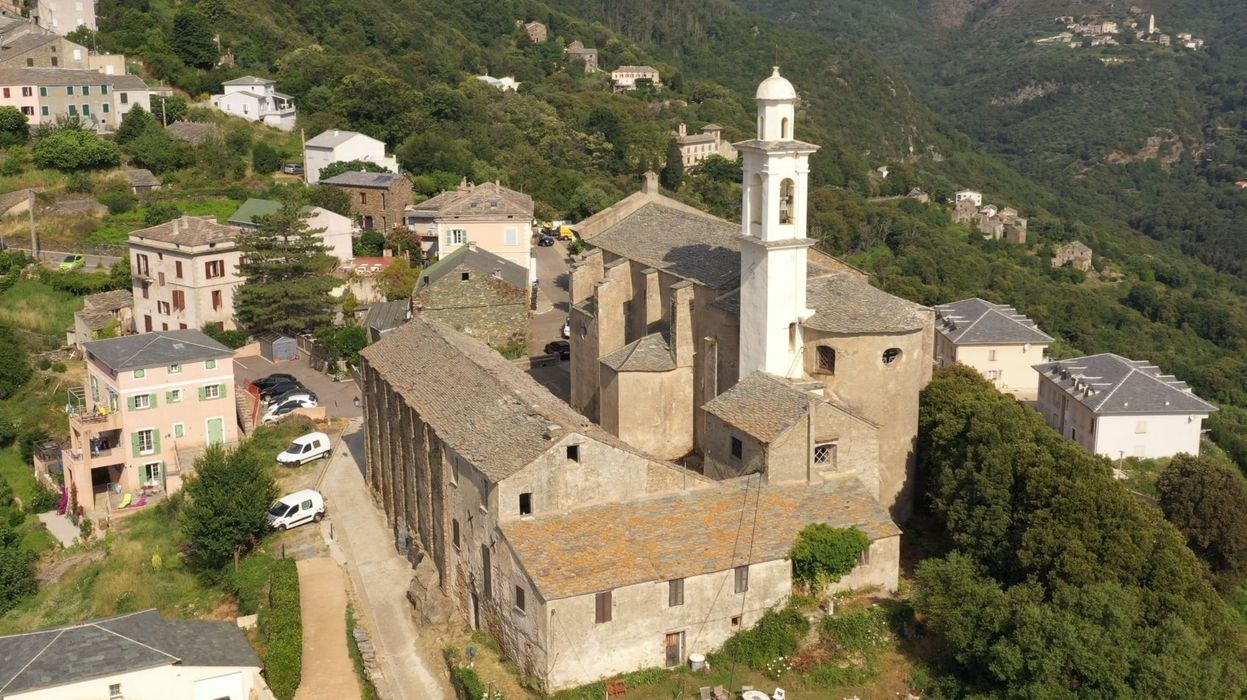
1121, 408
1076, 254
576, 51
695, 148
150, 403
496, 218
994, 339
45, 95
137, 656
630, 77
185, 272
536, 31
63, 16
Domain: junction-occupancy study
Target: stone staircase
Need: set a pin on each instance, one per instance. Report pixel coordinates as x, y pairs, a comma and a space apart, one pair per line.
246, 402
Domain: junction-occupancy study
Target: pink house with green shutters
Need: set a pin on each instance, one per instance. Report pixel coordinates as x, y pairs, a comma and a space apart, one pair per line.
151, 403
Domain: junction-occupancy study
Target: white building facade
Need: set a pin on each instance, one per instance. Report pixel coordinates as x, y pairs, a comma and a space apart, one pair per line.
257, 100
63, 16
340, 146
1003, 345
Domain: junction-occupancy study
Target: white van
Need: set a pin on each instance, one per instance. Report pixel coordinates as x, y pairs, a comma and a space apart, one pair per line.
306, 448
295, 509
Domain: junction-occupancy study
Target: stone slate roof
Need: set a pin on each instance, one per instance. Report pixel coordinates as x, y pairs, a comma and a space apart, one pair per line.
250, 80
761, 406
109, 301
481, 404
385, 315
361, 178
651, 353
477, 259
188, 231
1109, 384
192, 132
977, 322
489, 199
141, 177
111, 646
1075, 247
332, 138
844, 303
156, 349
684, 534
692, 246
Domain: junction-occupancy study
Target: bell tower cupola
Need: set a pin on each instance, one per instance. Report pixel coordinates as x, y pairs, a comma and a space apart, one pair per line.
776, 172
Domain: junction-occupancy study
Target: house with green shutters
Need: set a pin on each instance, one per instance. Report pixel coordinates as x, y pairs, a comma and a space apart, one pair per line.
151, 403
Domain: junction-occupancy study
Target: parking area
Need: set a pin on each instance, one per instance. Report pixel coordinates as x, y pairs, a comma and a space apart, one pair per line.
338, 398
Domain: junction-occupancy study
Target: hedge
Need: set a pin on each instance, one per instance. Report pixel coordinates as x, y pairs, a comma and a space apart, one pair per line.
281, 628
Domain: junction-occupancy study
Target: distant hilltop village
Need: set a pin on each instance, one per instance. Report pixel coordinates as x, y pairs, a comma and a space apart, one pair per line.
1138, 26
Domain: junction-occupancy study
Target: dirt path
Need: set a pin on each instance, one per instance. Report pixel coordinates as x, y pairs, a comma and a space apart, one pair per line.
327, 670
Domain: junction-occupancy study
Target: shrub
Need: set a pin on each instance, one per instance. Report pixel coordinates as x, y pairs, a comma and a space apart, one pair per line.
72, 149
777, 634
249, 582
79, 182
43, 499
472, 685
822, 553
281, 628
232, 339
265, 159
160, 212
45, 364
858, 631
118, 202
59, 367
8, 432
27, 439
17, 576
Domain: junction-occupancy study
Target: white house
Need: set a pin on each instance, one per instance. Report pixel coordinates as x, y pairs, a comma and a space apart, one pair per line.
994, 339
336, 231
140, 656
257, 100
507, 84
971, 195
1121, 408
338, 146
626, 77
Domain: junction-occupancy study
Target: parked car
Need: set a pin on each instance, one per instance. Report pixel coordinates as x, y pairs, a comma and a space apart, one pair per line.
280, 410
562, 348
265, 382
292, 169
306, 448
568, 233
567, 327
280, 388
545, 241
72, 262
292, 395
295, 509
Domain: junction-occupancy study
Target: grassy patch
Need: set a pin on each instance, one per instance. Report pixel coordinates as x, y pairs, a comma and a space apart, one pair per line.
34, 306
19, 475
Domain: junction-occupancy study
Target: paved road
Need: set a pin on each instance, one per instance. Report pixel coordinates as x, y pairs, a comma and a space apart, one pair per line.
380, 578
552, 280
94, 262
337, 397
328, 673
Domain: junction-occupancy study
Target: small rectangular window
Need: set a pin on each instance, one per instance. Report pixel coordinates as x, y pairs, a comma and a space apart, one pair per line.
573, 453
826, 359
209, 364
142, 401
104, 107
742, 578
212, 391
175, 368
179, 430
675, 592
526, 504
69, 89
454, 532
738, 448
1140, 427
44, 111
864, 558
519, 598
175, 395
86, 90
465, 276
991, 355
512, 237
602, 607
114, 690
177, 269
43, 92
825, 454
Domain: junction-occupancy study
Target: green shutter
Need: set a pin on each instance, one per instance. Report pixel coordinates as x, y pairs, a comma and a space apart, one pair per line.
210, 364
222, 390
152, 401
130, 403
156, 441
203, 393
179, 430
134, 442
168, 397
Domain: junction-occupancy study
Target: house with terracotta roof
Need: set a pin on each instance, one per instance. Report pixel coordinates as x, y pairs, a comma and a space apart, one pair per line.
1117, 407
994, 339
185, 272
496, 218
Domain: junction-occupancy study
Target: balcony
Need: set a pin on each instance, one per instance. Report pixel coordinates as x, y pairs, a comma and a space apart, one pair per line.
88, 423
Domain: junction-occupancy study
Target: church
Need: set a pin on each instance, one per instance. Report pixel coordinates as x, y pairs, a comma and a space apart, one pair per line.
692, 334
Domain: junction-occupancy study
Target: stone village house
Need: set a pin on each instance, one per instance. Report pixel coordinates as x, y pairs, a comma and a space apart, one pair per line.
378, 200
578, 545
476, 293
1076, 254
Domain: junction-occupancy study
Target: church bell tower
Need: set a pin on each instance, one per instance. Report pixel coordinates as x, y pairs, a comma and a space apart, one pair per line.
773, 225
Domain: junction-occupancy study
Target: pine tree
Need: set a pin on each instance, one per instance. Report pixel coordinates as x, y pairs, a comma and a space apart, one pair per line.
134, 124
673, 173
286, 267
192, 38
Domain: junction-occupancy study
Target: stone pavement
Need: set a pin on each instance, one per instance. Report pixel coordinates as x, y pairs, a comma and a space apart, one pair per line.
380, 578
328, 673
64, 531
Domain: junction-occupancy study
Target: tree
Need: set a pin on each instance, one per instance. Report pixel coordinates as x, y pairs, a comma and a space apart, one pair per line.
287, 276
75, 149
369, 244
169, 108
14, 129
822, 553
265, 159
344, 342
350, 166
673, 172
17, 570
159, 212
227, 500
1208, 503
398, 279
16, 160
335, 199
192, 38
15, 367
135, 123
155, 150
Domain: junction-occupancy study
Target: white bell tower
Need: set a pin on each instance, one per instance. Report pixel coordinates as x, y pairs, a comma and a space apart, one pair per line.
773, 255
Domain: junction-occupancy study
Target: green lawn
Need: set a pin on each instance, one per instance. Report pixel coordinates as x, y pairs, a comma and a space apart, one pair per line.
21, 478
117, 227
34, 306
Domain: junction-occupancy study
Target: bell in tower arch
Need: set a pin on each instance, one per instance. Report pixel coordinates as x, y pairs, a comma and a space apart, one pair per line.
785, 202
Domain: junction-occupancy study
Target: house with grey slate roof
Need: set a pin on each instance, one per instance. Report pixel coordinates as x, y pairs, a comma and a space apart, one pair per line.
1120, 408
342, 146
1002, 344
140, 655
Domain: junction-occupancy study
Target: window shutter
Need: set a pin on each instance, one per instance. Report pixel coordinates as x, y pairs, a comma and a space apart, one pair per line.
168, 397
134, 442
130, 403
222, 390
156, 441
203, 392
153, 401
179, 430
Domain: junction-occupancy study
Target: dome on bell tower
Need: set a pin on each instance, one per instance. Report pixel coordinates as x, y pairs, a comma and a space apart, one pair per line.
776, 87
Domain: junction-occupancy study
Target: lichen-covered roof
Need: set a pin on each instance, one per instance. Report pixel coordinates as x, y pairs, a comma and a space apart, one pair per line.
141, 177
685, 534
110, 300
192, 132
651, 353
1111, 384
362, 178
157, 349
978, 322
845, 303
188, 231
761, 406
488, 199
692, 246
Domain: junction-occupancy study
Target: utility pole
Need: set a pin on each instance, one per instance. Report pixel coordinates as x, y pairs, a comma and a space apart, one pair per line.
303, 144
34, 237
163, 120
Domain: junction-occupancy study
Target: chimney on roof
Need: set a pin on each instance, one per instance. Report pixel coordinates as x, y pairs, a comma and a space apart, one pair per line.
683, 130
335, 132
649, 182
682, 325
387, 253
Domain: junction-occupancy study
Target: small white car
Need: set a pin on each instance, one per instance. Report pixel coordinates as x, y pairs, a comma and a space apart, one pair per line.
278, 411
306, 448
295, 509
567, 327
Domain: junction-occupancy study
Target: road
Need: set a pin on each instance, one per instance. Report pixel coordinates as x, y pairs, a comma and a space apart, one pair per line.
328, 673
380, 578
553, 282
94, 262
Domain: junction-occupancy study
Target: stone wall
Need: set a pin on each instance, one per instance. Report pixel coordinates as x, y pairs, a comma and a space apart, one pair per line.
481, 306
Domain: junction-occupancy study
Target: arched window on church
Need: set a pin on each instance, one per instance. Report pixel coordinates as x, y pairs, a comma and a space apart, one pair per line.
783, 128
755, 200
891, 356
826, 359
785, 201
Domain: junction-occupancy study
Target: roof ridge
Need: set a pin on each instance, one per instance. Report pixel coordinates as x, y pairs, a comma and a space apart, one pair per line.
135, 641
